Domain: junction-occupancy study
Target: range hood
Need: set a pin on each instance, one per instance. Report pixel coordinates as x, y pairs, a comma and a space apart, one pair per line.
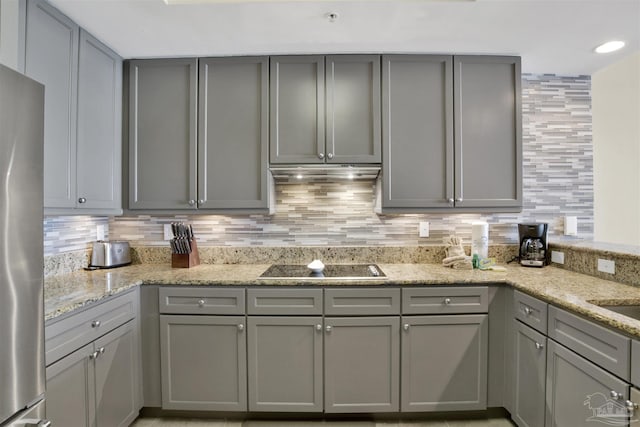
324, 172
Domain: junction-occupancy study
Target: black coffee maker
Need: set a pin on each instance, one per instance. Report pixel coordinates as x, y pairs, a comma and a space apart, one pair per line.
533, 244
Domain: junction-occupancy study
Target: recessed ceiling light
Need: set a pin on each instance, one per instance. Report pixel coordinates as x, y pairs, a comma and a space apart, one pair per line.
611, 46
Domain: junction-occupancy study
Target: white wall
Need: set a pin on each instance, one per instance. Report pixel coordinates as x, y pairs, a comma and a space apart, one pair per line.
616, 146
12, 27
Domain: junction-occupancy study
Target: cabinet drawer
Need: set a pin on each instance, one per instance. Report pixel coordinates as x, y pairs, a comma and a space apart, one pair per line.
472, 299
602, 346
284, 302
201, 300
530, 311
71, 333
361, 302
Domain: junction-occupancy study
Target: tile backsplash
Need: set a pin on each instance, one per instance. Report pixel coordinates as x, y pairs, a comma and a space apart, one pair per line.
557, 181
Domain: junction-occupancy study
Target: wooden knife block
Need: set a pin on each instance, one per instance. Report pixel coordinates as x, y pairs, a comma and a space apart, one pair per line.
186, 260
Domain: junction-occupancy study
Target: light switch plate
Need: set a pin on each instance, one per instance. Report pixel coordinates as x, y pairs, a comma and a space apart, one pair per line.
424, 229
607, 266
168, 234
557, 257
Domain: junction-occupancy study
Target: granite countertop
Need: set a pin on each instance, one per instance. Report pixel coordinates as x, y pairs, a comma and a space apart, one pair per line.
573, 291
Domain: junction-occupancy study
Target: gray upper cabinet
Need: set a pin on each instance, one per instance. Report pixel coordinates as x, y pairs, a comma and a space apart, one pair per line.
452, 134
488, 132
325, 109
51, 58
83, 113
162, 134
440, 373
99, 150
417, 131
233, 137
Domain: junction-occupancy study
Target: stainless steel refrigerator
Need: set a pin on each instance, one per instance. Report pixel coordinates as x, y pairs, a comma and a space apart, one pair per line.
22, 370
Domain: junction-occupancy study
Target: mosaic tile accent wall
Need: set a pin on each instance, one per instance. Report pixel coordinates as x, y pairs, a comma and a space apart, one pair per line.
558, 181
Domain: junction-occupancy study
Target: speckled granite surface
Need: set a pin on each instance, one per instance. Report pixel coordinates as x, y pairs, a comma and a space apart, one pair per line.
561, 287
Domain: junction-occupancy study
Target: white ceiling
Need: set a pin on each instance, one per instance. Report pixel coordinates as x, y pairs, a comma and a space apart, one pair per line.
552, 36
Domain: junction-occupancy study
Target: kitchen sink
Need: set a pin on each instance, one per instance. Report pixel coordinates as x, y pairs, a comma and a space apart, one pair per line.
632, 311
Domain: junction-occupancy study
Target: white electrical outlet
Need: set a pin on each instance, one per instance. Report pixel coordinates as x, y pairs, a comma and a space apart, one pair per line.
100, 232
168, 234
607, 266
557, 257
423, 229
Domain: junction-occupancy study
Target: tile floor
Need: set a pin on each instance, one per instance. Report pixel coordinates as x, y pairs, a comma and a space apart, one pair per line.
187, 422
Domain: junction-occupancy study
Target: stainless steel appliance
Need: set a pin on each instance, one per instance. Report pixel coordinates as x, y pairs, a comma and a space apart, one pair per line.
108, 254
330, 271
533, 244
22, 370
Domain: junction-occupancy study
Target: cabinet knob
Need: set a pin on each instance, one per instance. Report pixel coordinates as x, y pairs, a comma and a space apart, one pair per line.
330, 156
100, 351
82, 200
527, 311
631, 407
406, 327
539, 346
615, 395
318, 327
201, 303
94, 355
241, 327
192, 202
328, 328
450, 201
201, 201
458, 199
447, 301
321, 155
95, 324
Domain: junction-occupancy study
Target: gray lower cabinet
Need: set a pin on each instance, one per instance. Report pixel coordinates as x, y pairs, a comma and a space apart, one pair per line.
162, 143
530, 376
444, 363
52, 59
285, 363
488, 132
580, 393
97, 385
325, 109
203, 362
362, 364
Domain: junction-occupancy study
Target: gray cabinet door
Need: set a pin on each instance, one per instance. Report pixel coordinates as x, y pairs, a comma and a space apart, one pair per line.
233, 139
530, 376
353, 109
361, 363
162, 134
297, 109
444, 363
488, 132
285, 364
70, 390
117, 377
417, 131
99, 150
579, 392
52, 59
204, 362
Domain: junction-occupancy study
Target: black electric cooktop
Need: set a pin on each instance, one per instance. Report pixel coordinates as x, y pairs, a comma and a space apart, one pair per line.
331, 271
